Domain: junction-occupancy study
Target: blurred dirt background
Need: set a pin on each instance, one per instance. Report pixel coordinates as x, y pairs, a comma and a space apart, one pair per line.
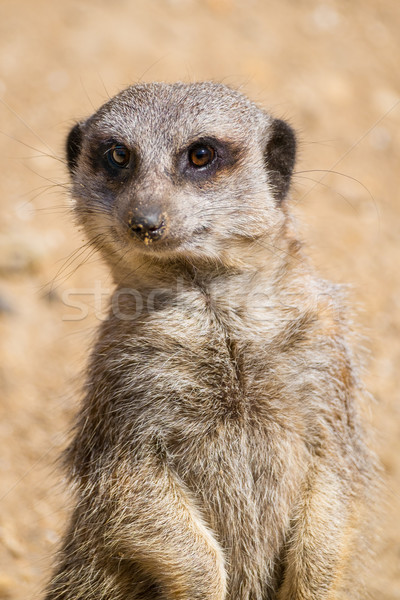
330, 67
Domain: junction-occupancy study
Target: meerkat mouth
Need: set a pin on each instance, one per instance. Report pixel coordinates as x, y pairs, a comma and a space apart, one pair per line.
146, 232
153, 233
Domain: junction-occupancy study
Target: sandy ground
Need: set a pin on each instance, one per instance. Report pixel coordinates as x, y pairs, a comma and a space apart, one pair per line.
331, 68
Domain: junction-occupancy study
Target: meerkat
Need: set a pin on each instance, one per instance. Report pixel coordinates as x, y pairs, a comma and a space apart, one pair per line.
219, 453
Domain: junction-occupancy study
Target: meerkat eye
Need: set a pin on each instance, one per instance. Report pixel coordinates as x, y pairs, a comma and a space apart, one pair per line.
118, 156
201, 155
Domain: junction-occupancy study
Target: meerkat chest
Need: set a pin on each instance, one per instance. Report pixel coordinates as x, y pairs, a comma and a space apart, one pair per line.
185, 368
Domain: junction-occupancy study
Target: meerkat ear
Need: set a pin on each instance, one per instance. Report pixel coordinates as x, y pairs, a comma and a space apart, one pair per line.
280, 155
74, 142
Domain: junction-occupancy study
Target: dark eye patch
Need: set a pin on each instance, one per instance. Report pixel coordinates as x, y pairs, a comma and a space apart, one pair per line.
204, 157
112, 156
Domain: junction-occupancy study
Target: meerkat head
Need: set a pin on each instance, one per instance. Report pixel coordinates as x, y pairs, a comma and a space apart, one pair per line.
179, 170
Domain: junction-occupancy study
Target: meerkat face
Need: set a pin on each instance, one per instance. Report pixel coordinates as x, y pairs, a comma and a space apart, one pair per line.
179, 169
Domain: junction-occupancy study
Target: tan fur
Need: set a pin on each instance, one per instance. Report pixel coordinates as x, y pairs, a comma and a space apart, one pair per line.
219, 452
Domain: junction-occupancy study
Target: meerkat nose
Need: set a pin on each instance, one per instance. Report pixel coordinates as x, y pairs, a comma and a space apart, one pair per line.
149, 227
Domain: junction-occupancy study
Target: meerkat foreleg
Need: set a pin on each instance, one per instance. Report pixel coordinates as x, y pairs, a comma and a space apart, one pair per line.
320, 541
143, 517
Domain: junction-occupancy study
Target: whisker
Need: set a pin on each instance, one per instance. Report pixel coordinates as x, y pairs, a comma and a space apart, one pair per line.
75, 255
356, 143
331, 171
328, 187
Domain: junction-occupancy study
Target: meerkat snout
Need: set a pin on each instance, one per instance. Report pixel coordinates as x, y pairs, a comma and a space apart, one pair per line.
148, 227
